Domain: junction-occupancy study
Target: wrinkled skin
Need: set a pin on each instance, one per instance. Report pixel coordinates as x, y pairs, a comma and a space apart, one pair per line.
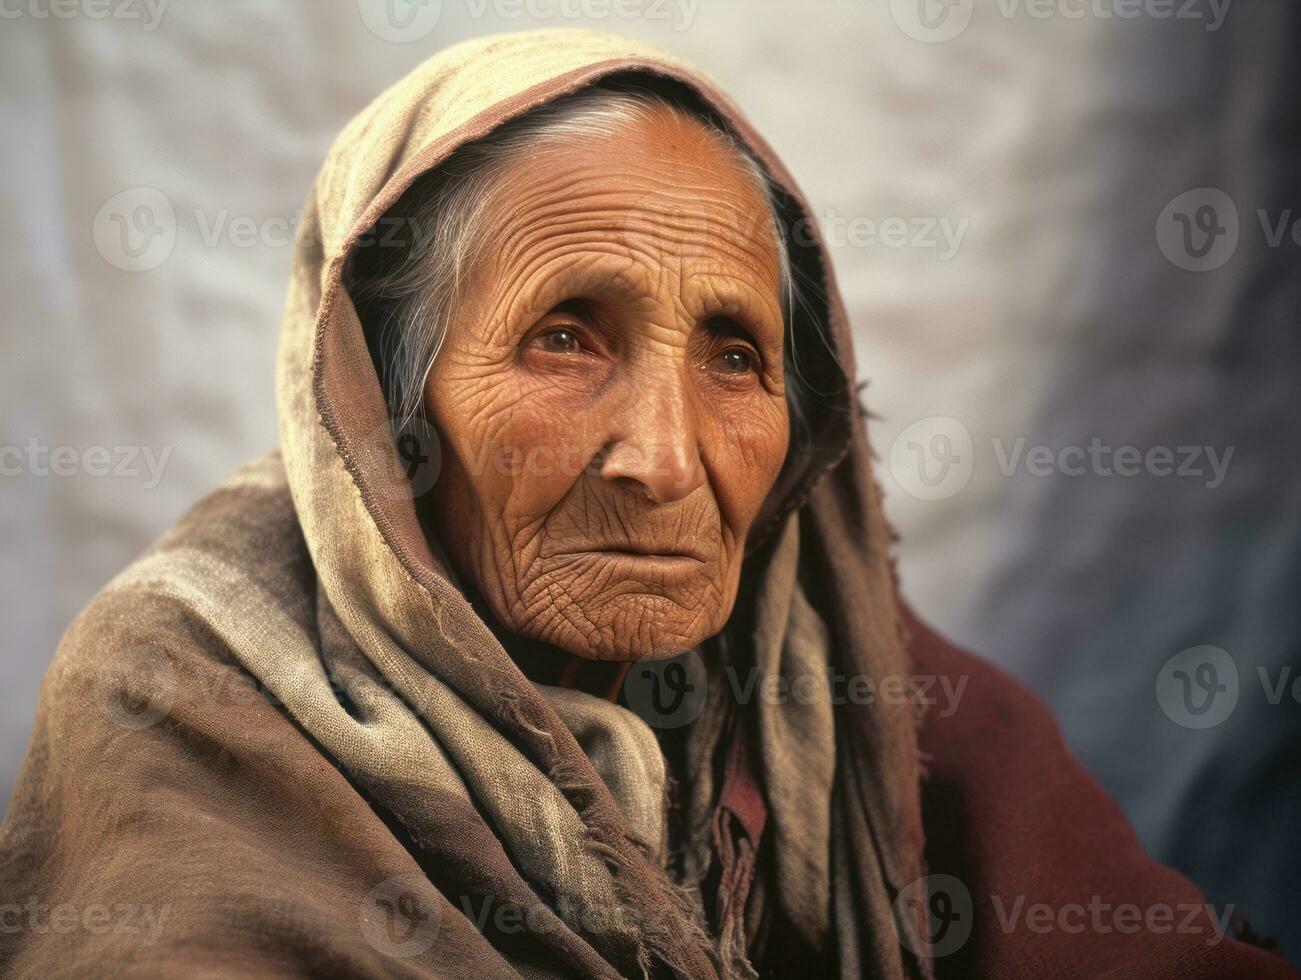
609, 396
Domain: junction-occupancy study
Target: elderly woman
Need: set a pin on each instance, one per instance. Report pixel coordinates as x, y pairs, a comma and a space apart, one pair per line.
565, 386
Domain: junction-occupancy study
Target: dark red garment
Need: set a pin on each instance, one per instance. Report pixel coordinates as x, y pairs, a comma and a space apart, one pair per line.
1011, 814
737, 827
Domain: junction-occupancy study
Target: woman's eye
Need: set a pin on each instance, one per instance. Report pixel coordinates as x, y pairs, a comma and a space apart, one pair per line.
562, 341
735, 360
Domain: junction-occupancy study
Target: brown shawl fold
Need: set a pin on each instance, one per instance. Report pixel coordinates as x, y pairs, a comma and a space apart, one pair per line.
285, 732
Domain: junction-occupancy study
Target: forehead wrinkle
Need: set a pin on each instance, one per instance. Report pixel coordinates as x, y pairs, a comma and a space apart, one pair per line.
697, 231
708, 256
565, 193
554, 179
562, 206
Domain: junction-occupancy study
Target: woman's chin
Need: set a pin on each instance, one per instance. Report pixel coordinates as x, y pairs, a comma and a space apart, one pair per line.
625, 650
629, 629
630, 656
621, 610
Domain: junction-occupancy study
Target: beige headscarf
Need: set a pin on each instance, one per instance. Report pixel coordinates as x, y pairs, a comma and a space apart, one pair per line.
489, 787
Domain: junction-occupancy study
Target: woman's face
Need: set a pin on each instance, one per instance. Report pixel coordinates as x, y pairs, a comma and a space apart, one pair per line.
609, 397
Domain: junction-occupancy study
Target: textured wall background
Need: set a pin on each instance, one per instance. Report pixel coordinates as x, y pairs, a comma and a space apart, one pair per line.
1062, 227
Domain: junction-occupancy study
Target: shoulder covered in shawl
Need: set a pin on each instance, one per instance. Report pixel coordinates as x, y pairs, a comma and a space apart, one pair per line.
171, 819
1038, 857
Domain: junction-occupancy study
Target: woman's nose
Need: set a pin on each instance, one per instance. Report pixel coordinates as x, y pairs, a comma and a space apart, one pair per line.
653, 444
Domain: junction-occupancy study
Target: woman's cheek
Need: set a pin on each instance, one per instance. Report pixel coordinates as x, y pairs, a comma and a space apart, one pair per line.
751, 443
549, 440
